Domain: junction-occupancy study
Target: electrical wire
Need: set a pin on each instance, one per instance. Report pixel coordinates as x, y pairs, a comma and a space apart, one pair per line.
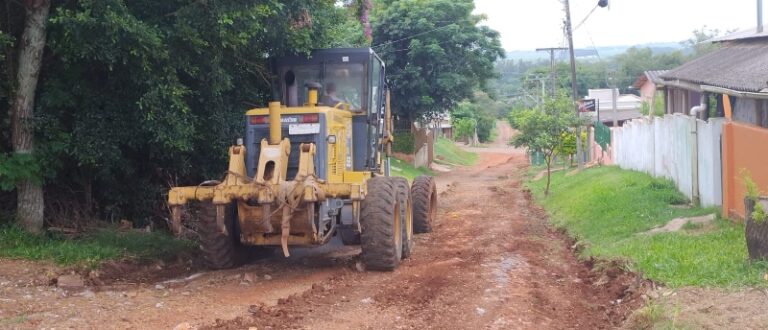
413, 36
592, 41
585, 18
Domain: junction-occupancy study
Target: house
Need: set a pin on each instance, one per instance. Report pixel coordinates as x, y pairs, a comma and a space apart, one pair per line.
627, 106
649, 84
442, 126
730, 82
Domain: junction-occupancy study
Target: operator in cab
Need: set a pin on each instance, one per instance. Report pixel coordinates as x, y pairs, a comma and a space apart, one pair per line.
330, 97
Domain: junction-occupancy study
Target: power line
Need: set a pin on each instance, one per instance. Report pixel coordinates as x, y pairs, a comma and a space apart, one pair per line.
409, 47
412, 36
551, 51
585, 18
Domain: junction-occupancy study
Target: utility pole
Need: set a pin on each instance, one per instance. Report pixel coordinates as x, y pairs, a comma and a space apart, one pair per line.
540, 79
551, 50
574, 92
759, 16
614, 96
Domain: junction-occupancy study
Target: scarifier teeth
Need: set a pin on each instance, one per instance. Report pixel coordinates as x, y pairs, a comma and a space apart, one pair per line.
176, 220
220, 219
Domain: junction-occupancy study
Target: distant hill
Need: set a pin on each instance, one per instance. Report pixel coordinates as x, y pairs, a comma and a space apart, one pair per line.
602, 52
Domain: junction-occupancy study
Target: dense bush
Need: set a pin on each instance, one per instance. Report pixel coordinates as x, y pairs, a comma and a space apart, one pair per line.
404, 143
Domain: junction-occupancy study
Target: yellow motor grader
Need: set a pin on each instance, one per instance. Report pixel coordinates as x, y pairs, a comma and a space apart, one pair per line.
313, 165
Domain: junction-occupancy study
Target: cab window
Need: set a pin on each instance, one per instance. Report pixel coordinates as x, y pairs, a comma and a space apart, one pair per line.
376, 88
344, 83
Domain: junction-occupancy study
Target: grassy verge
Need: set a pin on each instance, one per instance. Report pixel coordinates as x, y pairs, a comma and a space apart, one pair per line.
608, 210
447, 152
406, 170
90, 250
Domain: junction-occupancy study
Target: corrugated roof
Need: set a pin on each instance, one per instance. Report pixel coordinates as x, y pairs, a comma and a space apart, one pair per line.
655, 76
652, 76
741, 66
743, 35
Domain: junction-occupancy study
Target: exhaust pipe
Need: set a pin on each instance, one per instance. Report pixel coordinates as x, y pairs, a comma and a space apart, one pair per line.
275, 126
695, 111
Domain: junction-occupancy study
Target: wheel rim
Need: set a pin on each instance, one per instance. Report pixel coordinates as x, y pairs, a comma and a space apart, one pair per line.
432, 206
398, 232
408, 220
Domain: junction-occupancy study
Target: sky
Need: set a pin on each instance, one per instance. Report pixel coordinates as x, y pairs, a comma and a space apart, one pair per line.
531, 24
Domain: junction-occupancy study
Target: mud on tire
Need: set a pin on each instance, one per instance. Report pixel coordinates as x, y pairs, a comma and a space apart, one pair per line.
381, 236
424, 194
219, 251
406, 214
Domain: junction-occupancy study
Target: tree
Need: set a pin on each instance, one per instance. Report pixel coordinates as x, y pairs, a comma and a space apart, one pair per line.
474, 118
657, 105
632, 63
545, 129
136, 95
30, 204
700, 43
464, 128
436, 54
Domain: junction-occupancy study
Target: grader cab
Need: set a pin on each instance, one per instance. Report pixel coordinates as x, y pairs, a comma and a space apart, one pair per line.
313, 165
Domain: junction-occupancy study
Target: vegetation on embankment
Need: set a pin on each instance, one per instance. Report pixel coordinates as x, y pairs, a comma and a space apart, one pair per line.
406, 170
91, 249
447, 152
608, 210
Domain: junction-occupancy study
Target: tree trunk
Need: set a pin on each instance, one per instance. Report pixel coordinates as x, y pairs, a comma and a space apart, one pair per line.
29, 207
548, 160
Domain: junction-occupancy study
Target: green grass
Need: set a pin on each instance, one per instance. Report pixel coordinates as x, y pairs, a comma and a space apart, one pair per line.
91, 249
406, 170
654, 315
447, 152
608, 209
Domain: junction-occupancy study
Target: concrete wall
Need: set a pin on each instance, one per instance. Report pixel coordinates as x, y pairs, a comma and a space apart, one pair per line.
745, 148
664, 148
421, 137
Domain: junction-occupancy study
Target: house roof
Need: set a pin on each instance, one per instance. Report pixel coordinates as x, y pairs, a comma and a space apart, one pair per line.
653, 76
738, 65
743, 35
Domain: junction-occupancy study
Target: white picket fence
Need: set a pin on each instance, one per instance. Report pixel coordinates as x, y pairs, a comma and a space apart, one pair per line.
664, 148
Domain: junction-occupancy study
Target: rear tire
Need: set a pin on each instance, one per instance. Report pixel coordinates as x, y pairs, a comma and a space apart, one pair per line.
424, 194
381, 236
406, 214
219, 251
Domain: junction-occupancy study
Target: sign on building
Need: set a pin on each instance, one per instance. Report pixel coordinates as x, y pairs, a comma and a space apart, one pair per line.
587, 105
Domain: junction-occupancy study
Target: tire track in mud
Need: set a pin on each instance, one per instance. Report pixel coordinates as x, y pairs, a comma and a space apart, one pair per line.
492, 262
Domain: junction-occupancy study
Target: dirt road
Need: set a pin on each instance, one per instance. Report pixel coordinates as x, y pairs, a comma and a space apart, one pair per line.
492, 262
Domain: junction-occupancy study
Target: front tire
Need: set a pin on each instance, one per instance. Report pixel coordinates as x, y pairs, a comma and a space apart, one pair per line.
220, 251
381, 238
